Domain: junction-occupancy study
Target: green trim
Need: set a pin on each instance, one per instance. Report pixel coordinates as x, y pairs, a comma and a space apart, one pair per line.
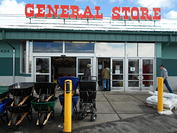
87, 35
25, 74
91, 31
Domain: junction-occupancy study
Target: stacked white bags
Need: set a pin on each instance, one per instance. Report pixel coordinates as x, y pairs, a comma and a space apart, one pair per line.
170, 100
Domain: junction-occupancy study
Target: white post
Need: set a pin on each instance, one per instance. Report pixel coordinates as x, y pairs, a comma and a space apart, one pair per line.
27, 57
13, 65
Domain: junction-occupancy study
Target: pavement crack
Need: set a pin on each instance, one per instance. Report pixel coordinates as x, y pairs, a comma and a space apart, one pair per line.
112, 106
137, 98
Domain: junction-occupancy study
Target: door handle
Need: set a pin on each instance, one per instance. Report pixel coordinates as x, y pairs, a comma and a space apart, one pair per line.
139, 77
142, 77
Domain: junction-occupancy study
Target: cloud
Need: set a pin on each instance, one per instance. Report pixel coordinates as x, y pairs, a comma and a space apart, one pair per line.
12, 12
172, 14
12, 7
157, 3
94, 2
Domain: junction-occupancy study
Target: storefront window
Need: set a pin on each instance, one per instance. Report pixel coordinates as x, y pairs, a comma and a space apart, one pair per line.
132, 49
145, 49
79, 47
48, 47
110, 49
82, 67
42, 65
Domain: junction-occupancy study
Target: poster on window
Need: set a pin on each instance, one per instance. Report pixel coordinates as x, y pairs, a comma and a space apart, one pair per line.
132, 69
117, 71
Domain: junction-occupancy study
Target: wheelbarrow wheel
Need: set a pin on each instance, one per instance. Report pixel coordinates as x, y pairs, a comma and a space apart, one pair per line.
14, 119
41, 120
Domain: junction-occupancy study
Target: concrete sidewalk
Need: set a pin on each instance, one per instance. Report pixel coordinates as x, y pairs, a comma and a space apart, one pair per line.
115, 108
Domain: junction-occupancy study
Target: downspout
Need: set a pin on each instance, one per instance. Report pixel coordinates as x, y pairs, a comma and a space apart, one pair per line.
13, 71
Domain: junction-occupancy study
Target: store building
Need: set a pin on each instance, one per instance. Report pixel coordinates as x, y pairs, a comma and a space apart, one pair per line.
44, 52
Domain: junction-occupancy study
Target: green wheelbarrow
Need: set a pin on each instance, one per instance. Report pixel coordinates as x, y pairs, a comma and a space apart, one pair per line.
44, 103
44, 109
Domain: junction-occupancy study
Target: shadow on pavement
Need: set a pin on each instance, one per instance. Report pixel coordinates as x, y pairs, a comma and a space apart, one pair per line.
151, 123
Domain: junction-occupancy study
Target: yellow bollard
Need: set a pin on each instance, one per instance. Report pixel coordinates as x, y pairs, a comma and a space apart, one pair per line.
68, 106
160, 94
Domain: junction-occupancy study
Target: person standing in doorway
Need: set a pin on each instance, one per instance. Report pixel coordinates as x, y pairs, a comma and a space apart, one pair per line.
164, 74
87, 72
106, 78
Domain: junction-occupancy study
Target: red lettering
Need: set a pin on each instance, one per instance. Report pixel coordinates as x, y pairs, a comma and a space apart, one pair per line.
98, 15
87, 13
116, 13
64, 13
135, 13
52, 11
157, 15
126, 10
75, 11
41, 10
145, 15
29, 10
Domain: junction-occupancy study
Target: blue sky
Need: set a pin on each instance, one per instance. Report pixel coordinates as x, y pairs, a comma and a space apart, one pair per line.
168, 7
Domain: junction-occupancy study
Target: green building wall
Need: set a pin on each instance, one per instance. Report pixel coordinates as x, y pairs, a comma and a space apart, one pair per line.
166, 54
6, 58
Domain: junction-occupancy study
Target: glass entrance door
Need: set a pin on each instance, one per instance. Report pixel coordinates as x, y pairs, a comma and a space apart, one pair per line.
82, 65
42, 69
147, 80
117, 74
134, 74
101, 64
140, 74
